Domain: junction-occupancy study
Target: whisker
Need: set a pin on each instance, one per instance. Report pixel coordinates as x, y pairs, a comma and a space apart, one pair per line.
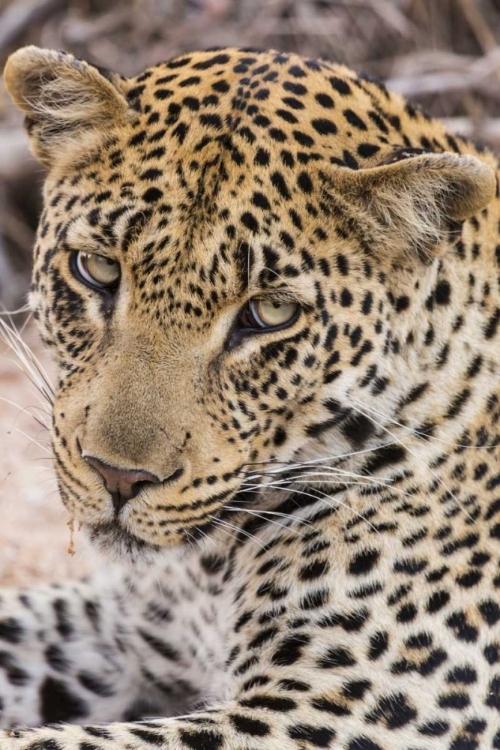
338, 474
323, 499
290, 465
237, 529
8, 313
258, 515
417, 433
29, 363
32, 440
24, 410
432, 473
286, 516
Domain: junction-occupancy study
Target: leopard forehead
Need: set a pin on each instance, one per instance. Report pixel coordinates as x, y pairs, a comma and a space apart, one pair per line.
224, 160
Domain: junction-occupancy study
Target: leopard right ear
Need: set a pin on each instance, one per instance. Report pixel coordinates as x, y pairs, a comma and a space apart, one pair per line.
411, 202
65, 100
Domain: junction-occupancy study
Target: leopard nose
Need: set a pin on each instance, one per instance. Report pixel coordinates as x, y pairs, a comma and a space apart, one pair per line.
122, 484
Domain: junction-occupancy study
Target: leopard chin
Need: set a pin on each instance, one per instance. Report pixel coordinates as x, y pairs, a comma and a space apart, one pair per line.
119, 544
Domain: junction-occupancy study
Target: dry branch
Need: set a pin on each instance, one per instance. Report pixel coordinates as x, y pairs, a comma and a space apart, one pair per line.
21, 15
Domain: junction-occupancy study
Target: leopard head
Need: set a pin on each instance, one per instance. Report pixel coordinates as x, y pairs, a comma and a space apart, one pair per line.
231, 244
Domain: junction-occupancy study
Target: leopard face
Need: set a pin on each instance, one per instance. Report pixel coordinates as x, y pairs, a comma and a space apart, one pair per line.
234, 253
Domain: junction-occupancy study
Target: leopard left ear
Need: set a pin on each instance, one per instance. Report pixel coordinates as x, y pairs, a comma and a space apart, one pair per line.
411, 202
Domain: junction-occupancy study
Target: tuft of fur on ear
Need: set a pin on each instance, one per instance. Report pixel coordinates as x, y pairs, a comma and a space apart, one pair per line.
413, 202
64, 99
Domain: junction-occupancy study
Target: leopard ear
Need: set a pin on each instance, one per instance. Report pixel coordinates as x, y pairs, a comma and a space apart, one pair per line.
65, 100
413, 200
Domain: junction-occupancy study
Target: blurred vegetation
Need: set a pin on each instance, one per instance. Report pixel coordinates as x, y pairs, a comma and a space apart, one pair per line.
444, 54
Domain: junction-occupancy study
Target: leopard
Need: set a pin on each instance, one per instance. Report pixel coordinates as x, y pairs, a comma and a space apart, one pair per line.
271, 288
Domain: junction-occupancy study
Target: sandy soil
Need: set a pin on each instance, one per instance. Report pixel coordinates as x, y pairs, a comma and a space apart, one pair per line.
34, 536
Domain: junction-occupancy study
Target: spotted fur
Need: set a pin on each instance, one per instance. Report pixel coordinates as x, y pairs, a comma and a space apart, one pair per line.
322, 545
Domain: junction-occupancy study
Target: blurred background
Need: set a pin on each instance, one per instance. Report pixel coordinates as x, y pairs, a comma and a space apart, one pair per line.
443, 54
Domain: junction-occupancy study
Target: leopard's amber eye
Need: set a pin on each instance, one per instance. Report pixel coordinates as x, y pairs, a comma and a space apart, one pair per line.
273, 314
97, 271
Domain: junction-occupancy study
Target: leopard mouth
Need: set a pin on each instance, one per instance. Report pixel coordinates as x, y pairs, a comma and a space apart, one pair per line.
115, 541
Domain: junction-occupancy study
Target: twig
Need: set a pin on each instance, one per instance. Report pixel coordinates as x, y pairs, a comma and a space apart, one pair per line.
478, 25
478, 76
15, 157
18, 17
487, 131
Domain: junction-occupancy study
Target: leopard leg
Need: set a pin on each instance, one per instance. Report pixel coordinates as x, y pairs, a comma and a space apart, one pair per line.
74, 653
230, 727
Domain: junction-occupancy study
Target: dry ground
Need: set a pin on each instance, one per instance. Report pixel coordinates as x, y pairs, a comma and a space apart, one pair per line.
34, 537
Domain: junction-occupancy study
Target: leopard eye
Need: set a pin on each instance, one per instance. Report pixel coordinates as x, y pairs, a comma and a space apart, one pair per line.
273, 314
97, 271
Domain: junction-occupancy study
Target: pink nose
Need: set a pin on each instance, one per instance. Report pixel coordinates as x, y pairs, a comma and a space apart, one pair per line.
122, 484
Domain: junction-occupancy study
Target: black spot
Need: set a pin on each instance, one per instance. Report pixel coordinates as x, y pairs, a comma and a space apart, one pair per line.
461, 627
270, 702
63, 619
324, 126
58, 704
246, 725
212, 564
152, 738
345, 298
56, 658
336, 657
351, 622
11, 630
314, 599
354, 120
251, 223
394, 711
470, 579
260, 201
325, 101
493, 699
442, 293
163, 94
379, 643
315, 736
490, 612
152, 195
279, 436
94, 684
295, 88
261, 157
367, 149
434, 728
221, 59
385, 456
279, 182
363, 743
305, 183
160, 646
465, 675
290, 649
356, 689
318, 428
342, 87
314, 570
297, 72
454, 700
492, 324
363, 562
203, 739
358, 429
